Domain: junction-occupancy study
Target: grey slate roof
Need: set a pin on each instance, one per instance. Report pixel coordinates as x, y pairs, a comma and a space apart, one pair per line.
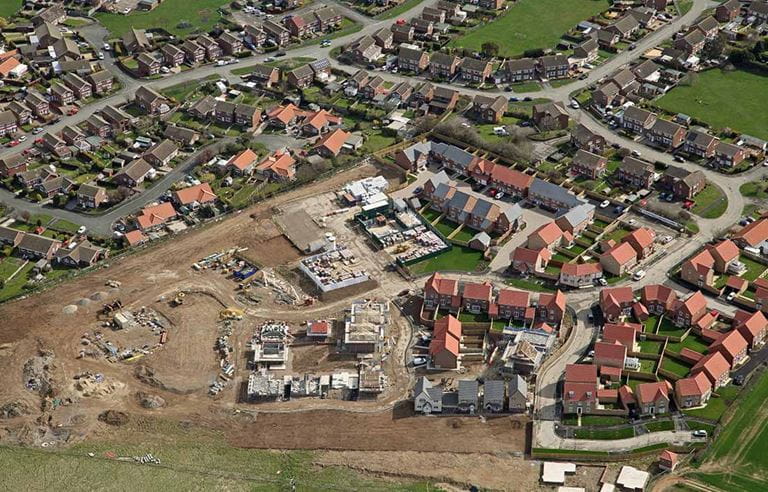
493, 391
518, 385
468, 390
555, 192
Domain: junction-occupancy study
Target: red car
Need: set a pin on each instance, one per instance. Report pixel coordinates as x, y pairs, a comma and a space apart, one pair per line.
687, 204
13, 143
715, 313
492, 192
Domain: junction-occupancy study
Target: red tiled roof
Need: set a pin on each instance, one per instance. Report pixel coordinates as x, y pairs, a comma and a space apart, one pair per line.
702, 262
152, 216
281, 163
135, 237
732, 344
626, 395
201, 193
607, 394
549, 233
668, 456
477, 291
641, 238
333, 141
726, 250
694, 303
622, 254
8, 65
658, 293
553, 300
754, 233
610, 371
516, 298
693, 386
446, 336
511, 178
579, 269
580, 392
714, 364
651, 392
284, 114
753, 326
623, 334
243, 159
543, 327
581, 373
614, 352
531, 256
691, 355
736, 282
442, 286
705, 321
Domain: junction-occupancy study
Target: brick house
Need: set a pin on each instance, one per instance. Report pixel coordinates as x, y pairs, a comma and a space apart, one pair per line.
587, 164
550, 116
637, 173
653, 398
488, 109
440, 292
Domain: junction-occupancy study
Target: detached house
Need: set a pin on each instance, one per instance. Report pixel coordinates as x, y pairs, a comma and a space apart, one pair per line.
692, 391
642, 241
301, 77
637, 120
476, 297
101, 81
173, 56
653, 398
91, 196
616, 302
619, 259
445, 346
729, 155
580, 274
488, 109
230, 44
732, 346
280, 166
80, 87
550, 116
513, 304
682, 183
162, 153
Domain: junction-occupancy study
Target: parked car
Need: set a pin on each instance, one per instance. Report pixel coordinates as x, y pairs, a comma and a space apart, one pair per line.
418, 190
636, 153
575, 104
731, 296
679, 158
700, 433
604, 203
738, 380
499, 196
81, 230
638, 275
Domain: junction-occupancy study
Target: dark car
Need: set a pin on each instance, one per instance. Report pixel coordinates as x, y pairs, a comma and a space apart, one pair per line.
738, 380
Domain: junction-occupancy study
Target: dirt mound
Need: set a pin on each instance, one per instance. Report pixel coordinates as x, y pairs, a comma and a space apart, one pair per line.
37, 377
83, 302
99, 296
113, 417
13, 409
70, 309
95, 388
150, 401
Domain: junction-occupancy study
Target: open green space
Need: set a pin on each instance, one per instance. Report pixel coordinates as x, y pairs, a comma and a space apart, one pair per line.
711, 202
675, 367
723, 99
464, 235
523, 87
474, 318
181, 92
692, 342
660, 425
741, 444
395, 11
531, 24
446, 227
192, 459
648, 366
375, 141
616, 234
179, 17
604, 434
693, 425
456, 259
754, 268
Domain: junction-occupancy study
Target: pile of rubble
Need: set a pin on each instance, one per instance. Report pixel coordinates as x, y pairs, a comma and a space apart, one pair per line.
284, 292
95, 385
225, 350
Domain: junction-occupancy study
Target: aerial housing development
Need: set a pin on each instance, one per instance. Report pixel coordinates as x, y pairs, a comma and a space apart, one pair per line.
404, 244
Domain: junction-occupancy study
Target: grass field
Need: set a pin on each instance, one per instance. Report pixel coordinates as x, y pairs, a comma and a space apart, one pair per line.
195, 459
9, 7
717, 404
529, 284
595, 420
667, 328
740, 447
754, 189
456, 259
531, 24
650, 346
201, 15
711, 202
723, 99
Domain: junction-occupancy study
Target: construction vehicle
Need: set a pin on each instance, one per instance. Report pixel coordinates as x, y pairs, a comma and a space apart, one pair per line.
178, 300
111, 307
231, 313
245, 273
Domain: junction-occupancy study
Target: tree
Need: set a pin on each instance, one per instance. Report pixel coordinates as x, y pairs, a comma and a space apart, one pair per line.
3, 23
714, 47
490, 48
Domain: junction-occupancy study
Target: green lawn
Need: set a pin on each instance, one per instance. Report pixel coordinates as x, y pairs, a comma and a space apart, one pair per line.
181, 92
395, 11
474, 318
604, 434
529, 284
375, 142
531, 24
650, 324
700, 426
9, 7
648, 366
675, 367
594, 420
523, 87
457, 258
13, 287
650, 346
446, 227
616, 234
754, 189
464, 235
692, 342
754, 269
711, 202
179, 17
660, 425
667, 328
723, 99
430, 214
716, 405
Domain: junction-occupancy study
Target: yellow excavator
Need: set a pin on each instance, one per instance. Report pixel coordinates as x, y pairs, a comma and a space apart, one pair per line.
231, 313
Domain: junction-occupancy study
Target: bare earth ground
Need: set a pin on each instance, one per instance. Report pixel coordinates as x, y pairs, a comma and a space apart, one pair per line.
36, 332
